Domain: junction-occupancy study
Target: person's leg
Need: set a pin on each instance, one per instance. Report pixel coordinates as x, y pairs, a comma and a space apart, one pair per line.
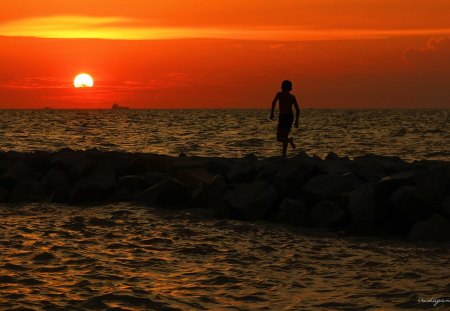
285, 144
291, 142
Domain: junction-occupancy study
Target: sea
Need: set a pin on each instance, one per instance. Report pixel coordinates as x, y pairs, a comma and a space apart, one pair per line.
124, 256
412, 134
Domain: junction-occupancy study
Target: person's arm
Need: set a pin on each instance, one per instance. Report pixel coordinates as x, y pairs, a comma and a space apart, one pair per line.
274, 103
297, 112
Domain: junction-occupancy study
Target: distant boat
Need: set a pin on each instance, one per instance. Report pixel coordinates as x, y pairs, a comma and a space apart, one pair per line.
115, 106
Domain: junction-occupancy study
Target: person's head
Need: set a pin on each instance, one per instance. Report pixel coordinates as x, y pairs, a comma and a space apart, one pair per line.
286, 86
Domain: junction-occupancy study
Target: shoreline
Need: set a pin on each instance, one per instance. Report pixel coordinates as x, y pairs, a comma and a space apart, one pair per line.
368, 195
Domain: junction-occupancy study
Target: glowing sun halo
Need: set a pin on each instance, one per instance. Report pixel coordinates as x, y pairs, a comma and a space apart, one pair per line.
83, 80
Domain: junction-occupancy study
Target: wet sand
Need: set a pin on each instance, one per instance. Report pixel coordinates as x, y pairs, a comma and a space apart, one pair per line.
127, 257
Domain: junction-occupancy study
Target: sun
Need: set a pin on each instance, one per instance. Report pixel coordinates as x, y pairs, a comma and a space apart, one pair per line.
83, 80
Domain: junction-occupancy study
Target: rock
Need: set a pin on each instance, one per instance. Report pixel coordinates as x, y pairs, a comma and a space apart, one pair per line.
124, 195
3, 194
331, 156
436, 228
194, 176
252, 201
18, 171
117, 160
149, 162
362, 205
66, 157
406, 204
293, 212
169, 193
96, 186
334, 165
329, 185
432, 188
243, 172
363, 228
187, 163
38, 161
133, 183
81, 168
58, 184
445, 208
208, 195
218, 166
372, 168
389, 184
28, 191
290, 179
267, 172
327, 214
151, 178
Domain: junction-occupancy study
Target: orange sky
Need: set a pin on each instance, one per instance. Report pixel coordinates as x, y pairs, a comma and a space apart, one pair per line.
214, 54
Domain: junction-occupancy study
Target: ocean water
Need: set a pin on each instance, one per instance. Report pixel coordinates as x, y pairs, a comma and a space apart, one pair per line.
126, 257
410, 134
129, 257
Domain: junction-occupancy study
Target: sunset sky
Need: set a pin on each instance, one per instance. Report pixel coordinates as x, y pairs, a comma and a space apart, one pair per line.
225, 54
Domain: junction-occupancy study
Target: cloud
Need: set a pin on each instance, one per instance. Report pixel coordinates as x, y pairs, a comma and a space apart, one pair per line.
435, 55
121, 28
32, 83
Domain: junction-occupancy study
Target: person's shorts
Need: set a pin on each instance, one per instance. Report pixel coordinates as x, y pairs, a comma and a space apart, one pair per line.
284, 126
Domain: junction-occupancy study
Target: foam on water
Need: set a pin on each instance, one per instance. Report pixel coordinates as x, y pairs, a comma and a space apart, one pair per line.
133, 258
410, 134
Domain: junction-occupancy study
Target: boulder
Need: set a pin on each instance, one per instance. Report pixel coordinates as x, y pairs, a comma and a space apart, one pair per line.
81, 168
208, 195
436, 228
252, 201
243, 172
117, 160
3, 194
94, 187
58, 184
142, 164
363, 228
218, 166
38, 161
331, 156
362, 205
267, 172
445, 208
151, 178
389, 184
66, 157
405, 202
133, 183
124, 195
18, 171
293, 212
187, 163
290, 179
335, 165
327, 214
372, 168
169, 193
28, 191
431, 188
192, 177
329, 185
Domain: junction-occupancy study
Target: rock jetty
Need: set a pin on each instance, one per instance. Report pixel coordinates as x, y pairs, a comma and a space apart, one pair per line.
369, 195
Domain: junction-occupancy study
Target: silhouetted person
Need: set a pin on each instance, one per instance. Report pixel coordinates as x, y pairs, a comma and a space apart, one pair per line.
286, 117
